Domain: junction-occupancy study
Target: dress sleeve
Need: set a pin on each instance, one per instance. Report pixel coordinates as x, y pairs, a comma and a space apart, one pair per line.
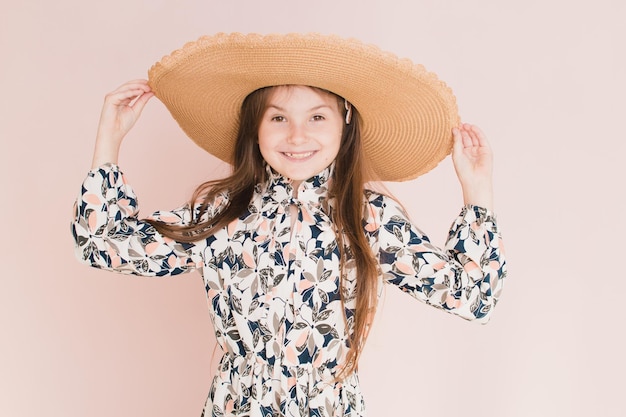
108, 234
465, 278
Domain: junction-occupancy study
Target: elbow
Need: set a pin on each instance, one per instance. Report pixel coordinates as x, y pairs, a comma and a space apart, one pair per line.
87, 253
478, 310
481, 311
484, 319
84, 259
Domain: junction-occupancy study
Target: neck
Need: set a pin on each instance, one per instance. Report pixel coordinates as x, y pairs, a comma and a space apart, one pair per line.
295, 185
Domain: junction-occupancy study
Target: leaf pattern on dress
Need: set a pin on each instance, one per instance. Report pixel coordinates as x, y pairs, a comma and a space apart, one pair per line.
274, 294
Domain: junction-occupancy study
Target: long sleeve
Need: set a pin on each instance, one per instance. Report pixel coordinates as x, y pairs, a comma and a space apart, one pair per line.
108, 234
464, 278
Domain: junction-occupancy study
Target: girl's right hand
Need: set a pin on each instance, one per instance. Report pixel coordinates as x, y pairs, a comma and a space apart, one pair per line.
122, 108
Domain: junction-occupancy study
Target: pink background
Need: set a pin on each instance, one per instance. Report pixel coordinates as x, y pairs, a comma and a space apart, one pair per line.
545, 80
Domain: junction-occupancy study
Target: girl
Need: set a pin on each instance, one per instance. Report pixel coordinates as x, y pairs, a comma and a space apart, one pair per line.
292, 247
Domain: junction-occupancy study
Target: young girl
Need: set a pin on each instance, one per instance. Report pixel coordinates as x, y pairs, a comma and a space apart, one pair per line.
292, 247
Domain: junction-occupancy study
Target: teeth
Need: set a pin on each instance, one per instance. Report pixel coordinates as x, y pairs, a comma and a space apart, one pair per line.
299, 155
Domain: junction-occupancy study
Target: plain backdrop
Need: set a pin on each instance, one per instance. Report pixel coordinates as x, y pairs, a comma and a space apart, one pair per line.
543, 78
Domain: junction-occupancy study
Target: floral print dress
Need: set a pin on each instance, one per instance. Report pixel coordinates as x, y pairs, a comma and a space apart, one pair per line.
273, 287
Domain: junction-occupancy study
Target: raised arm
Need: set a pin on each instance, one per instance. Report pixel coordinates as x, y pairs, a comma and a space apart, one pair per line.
473, 163
107, 231
121, 110
466, 276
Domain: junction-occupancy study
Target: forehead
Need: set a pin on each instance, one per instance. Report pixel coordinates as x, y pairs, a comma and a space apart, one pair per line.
286, 93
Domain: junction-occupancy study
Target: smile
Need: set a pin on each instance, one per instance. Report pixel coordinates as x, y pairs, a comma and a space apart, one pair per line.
301, 155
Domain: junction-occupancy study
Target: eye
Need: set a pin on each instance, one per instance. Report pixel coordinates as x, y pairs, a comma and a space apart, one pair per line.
278, 119
318, 117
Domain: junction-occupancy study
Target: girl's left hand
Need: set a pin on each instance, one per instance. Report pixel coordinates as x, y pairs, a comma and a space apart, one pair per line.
473, 162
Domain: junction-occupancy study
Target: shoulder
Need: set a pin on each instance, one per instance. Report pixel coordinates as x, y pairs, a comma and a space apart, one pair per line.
383, 202
381, 209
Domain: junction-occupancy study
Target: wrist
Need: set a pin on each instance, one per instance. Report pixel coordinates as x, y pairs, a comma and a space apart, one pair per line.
479, 195
105, 151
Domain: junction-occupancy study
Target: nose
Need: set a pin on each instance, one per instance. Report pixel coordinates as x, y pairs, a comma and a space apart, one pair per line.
297, 134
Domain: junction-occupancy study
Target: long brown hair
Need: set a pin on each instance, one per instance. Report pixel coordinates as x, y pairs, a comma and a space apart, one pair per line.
347, 214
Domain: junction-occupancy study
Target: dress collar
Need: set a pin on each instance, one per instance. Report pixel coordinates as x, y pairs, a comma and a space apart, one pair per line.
312, 192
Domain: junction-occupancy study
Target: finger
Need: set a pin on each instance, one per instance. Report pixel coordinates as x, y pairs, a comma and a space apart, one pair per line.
471, 135
138, 86
124, 97
457, 144
467, 139
481, 137
138, 83
141, 102
144, 88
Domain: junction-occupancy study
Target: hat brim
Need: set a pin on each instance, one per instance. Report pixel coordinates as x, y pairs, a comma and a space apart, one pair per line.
407, 112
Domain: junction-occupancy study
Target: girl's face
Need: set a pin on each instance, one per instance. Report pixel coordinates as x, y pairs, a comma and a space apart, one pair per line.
300, 132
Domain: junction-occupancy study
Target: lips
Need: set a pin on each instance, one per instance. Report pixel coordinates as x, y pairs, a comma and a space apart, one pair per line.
298, 155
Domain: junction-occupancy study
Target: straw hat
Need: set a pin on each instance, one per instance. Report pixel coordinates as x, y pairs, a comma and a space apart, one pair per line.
407, 113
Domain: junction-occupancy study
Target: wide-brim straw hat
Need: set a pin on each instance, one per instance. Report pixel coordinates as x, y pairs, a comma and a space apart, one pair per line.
407, 112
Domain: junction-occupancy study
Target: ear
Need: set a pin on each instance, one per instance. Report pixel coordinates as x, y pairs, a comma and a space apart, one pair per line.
348, 107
